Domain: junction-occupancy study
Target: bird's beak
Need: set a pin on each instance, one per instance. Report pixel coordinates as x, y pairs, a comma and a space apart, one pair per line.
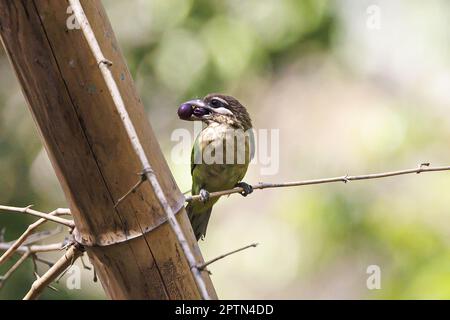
194, 110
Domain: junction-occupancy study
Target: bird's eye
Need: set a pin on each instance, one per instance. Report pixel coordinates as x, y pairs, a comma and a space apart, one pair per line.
216, 103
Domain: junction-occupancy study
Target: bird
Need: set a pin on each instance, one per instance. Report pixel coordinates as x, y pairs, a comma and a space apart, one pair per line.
220, 155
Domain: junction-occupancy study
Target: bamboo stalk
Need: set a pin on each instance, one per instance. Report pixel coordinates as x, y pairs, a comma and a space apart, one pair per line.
133, 247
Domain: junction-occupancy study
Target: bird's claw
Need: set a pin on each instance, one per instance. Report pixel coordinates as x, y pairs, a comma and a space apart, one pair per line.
204, 195
247, 189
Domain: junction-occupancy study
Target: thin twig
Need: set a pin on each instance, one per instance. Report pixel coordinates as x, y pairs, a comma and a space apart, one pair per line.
33, 248
85, 266
27, 251
27, 234
44, 261
42, 235
132, 190
135, 141
67, 269
52, 288
422, 168
8, 253
28, 210
45, 280
204, 265
62, 274
35, 266
19, 262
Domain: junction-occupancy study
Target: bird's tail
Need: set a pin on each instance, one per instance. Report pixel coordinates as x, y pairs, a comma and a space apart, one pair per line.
199, 220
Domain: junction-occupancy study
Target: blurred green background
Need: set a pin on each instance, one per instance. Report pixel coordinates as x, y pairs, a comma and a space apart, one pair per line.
346, 96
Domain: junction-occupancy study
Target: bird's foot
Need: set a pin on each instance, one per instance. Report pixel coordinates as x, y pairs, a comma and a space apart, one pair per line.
204, 195
247, 188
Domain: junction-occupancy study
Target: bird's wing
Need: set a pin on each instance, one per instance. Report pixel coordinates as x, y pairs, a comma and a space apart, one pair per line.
193, 164
196, 153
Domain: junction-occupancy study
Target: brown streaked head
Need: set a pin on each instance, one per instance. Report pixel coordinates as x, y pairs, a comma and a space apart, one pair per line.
218, 108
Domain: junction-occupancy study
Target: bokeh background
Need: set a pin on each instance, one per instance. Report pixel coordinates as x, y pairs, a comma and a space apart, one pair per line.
349, 93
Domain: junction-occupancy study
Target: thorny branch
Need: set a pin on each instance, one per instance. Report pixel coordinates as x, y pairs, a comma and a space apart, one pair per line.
60, 266
11, 270
27, 234
142, 179
42, 235
25, 246
47, 216
204, 265
27, 252
424, 167
35, 248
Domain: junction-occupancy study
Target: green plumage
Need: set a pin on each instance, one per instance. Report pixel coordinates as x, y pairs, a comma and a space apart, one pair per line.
217, 175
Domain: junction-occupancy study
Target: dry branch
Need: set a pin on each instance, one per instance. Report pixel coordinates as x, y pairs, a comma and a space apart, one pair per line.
204, 265
142, 179
47, 216
20, 245
42, 235
34, 248
11, 270
26, 235
62, 264
424, 167
27, 251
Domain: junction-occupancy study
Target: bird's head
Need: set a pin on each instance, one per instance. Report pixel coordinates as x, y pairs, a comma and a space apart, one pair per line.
217, 108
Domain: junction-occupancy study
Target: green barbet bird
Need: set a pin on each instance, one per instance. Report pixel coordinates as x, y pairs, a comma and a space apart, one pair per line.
220, 155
